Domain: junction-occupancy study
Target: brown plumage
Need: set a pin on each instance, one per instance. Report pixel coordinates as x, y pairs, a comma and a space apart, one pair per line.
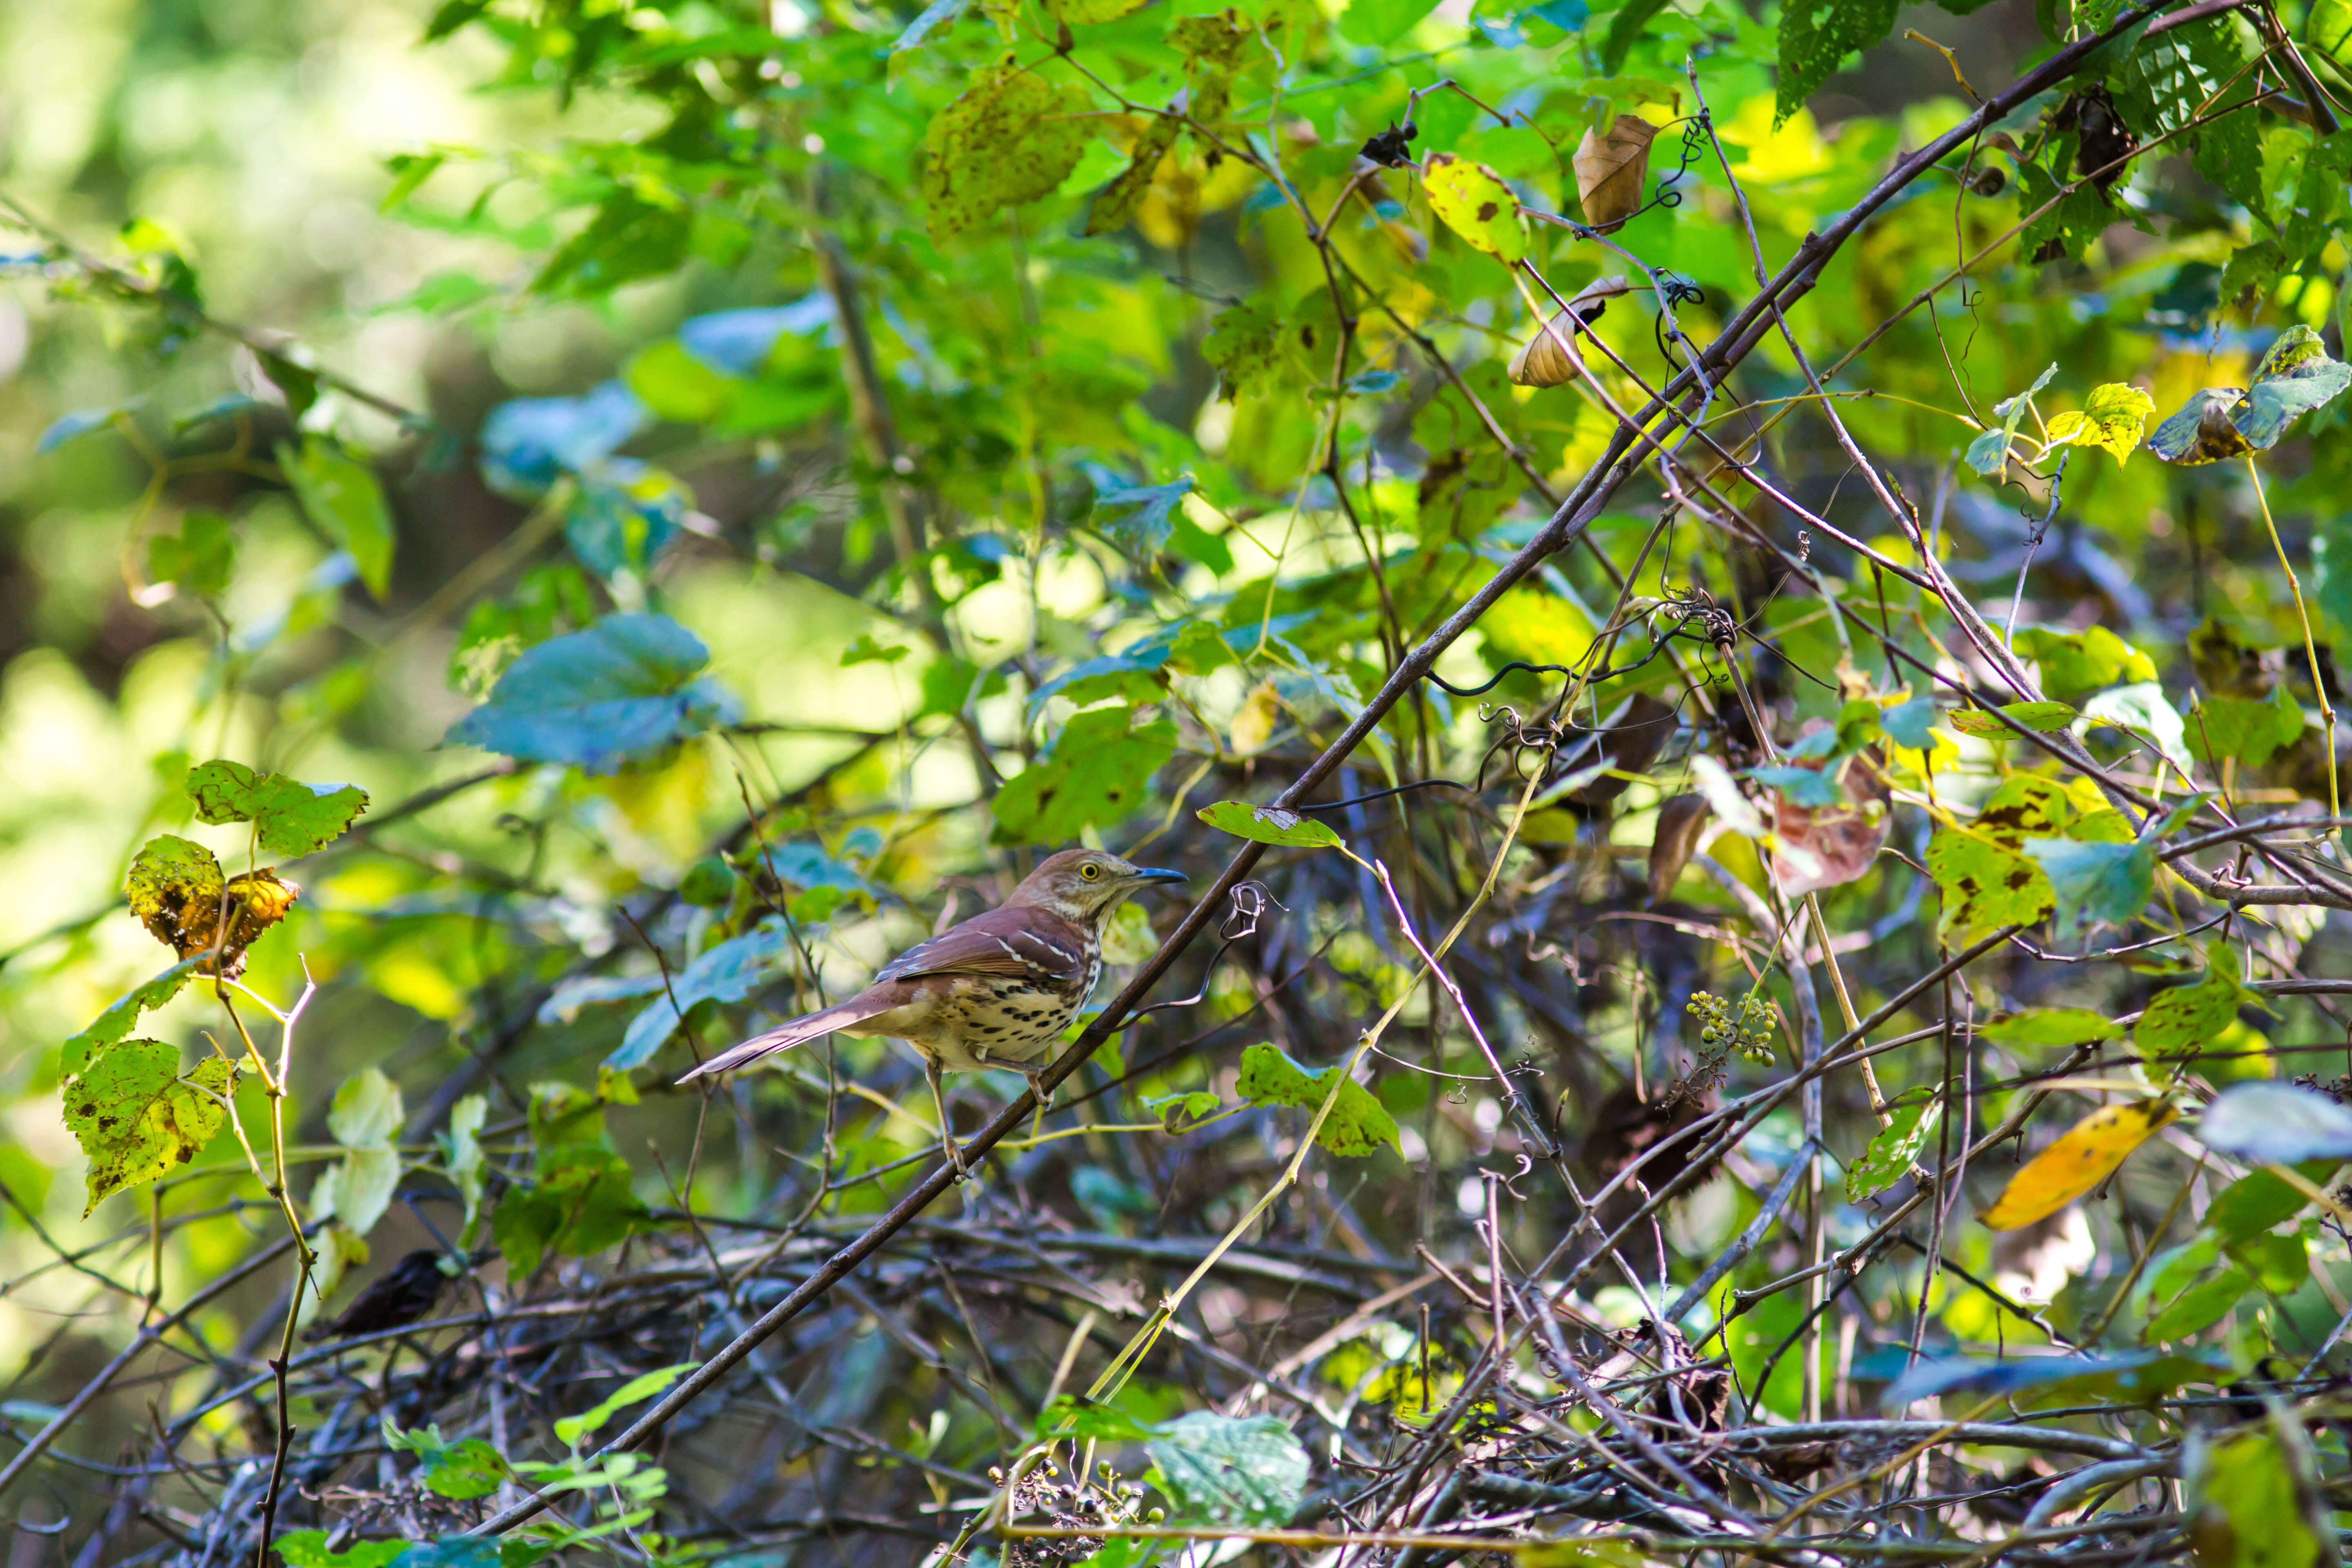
997, 990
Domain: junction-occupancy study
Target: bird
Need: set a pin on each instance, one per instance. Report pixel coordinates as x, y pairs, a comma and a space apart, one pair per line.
995, 991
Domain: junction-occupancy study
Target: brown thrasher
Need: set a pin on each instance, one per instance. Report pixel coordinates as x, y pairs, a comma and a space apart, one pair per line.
996, 991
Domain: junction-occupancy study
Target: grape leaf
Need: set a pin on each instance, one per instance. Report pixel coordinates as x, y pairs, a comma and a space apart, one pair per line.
292, 817
137, 1117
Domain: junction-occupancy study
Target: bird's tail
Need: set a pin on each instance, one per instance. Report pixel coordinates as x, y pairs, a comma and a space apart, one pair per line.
799, 1031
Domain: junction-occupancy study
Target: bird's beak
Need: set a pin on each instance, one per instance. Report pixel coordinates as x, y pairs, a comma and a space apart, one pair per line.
1158, 874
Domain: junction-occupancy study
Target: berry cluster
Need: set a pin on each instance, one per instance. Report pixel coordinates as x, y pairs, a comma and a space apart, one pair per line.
1718, 1035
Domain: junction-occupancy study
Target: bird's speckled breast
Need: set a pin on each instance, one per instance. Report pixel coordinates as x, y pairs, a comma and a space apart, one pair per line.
984, 1022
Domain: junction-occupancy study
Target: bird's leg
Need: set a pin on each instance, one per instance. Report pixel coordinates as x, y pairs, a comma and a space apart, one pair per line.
1039, 1087
947, 1128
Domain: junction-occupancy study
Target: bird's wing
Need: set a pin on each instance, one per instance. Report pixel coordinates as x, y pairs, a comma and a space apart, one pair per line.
1023, 943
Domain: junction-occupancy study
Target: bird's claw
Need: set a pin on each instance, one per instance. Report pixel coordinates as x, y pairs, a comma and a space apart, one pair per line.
955, 1158
1042, 1089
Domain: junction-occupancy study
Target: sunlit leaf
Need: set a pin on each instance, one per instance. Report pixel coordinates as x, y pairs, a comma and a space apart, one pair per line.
1472, 200
2186, 1017
2073, 663
177, 890
1611, 168
1986, 885
290, 818
1359, 1123
1099, 772
2083, 1157
137, 1117
1268, 825
2111, 418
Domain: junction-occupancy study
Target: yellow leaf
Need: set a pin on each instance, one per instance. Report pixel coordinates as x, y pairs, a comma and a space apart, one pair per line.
1611, 170
1475, 203
1254, 724
2112, 417
2084, 1156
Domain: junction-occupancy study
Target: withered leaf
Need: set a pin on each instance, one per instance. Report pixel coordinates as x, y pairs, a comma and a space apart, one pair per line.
1611, 171
1681, 819
1829, 846
179, 892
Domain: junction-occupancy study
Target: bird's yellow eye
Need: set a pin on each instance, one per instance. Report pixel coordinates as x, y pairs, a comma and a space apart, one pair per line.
1090, 870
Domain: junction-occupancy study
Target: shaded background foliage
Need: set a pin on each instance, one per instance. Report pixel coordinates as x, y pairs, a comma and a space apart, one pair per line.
931, 461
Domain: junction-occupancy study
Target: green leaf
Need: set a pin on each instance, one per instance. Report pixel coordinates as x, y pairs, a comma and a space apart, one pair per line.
2253, 1205
366, 1114
2186, 1016
1473, 201
1816, 37
1218, 1470
307, 1549
1989, 453
1359, 1122
1625, 30
1888, 1159
727, 971
2252, 731
2198, 1307
1136, 518
1985, 886
464, 1157
2075, 663
341, 495
2111, 417
293, 819
119, 1019
572, 1429
2246, 1509
1098, 774
137, 1117
866, 650
2050, 1027
2039, 716
2096, 883
629, 686
1380, 22
2279, 1264
1075, 1415
1117, 202
199, 558
1268, 825
1080, 13
1010, 137
2296, 377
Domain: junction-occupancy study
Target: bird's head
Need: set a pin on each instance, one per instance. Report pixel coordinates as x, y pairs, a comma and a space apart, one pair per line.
1083, 886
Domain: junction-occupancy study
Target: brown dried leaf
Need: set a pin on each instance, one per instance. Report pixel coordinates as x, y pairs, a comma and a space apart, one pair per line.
1681, 819
1611, 171
1827, 847
177, 890
1551, 358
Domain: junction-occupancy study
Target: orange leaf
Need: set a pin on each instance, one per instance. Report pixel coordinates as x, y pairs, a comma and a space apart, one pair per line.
2086, 1155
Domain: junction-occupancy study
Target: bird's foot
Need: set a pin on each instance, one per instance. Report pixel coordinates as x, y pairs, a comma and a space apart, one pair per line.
1041, 1088
955, 1157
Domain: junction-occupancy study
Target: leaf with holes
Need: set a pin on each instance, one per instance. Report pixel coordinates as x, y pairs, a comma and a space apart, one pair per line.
177, 890
1888, 1159
1268, 825
1359, 1122
2296, 377
1217, 1469
2085, 1155
1010, 137
290, 816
